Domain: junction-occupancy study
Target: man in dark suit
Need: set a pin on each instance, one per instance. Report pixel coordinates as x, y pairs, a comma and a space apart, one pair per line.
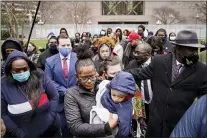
177, 79
61, 69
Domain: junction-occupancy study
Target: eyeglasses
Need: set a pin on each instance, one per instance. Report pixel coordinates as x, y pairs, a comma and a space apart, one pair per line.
86, 79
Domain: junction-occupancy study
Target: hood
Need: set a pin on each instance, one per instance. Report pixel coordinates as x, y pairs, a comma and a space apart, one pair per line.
3, 48
124, 82
14, 55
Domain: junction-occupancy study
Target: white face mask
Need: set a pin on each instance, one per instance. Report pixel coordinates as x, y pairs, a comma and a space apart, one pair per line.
172, 38
103, 33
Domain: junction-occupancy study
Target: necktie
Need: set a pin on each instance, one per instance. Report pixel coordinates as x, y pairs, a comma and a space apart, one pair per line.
65, 67
178, 67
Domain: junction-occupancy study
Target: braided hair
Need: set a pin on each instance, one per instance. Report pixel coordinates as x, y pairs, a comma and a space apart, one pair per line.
84, 55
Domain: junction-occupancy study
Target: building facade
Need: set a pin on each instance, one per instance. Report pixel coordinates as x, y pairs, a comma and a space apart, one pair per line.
124, 12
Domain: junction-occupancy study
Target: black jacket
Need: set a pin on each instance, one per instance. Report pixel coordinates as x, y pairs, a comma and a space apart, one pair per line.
170, 99
3, 50
42, 58
78, 103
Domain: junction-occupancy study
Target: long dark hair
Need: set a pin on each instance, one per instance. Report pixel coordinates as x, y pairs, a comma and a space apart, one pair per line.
32, 86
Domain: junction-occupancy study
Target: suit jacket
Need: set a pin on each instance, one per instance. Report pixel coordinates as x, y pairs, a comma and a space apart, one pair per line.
54, 70
170, 99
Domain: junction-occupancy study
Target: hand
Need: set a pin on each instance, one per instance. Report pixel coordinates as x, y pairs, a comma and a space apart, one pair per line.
3, 128
112, 121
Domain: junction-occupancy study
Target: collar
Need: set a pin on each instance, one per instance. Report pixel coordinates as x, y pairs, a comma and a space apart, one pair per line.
82, 90
62, 57
178, 63
148, 61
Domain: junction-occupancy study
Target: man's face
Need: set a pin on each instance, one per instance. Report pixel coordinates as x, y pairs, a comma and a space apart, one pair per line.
77, 36
134, 43
9, 50
181, 52
64, 43
140, 30
141, 54
113, 70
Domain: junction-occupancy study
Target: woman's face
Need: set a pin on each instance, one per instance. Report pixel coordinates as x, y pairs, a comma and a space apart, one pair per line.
19, 66
172, 36
30, 48
87, 77
63, 32
104, 52
125, 33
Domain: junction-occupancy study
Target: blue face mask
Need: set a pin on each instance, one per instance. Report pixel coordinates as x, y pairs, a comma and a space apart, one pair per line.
21, 77
65, 51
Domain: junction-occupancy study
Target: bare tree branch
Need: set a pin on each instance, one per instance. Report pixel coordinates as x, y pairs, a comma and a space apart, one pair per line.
200, 9
168, 15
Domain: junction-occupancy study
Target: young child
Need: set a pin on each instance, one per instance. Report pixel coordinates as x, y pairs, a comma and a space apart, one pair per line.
117, 99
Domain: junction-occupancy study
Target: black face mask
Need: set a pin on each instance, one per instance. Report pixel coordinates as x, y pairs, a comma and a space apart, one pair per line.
190, 60
110, 78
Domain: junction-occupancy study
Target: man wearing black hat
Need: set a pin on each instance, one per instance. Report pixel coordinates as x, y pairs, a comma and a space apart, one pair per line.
9, 45
177, 79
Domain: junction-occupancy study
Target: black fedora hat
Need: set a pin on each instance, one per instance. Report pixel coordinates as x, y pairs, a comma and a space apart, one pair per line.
187, 38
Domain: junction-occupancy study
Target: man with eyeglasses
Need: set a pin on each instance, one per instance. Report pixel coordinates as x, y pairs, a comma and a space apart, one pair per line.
61, 69
143, 55
9, 45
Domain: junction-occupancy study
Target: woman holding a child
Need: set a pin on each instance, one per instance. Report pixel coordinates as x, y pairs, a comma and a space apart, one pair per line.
80, 99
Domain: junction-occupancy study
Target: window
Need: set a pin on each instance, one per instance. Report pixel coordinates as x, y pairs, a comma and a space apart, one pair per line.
122, 7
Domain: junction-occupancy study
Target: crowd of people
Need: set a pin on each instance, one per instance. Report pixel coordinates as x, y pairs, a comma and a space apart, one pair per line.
118, 83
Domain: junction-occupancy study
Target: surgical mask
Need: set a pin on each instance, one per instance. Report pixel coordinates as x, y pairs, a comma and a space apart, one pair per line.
103, 33
21, 77
65, 51
172, 38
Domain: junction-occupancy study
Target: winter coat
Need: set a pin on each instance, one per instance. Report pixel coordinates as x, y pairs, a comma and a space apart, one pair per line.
193, 123
42, 58
118, 50
171, 99
99, 114
125, 108
78, 103
19, 116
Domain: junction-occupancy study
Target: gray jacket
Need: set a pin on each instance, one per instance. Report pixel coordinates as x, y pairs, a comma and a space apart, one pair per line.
77, 105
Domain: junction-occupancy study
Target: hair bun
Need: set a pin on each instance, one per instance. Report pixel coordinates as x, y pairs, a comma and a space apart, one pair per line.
83, 51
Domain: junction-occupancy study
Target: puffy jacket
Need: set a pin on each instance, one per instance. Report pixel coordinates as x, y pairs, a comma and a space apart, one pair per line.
123, 82
193, 123
78, 103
